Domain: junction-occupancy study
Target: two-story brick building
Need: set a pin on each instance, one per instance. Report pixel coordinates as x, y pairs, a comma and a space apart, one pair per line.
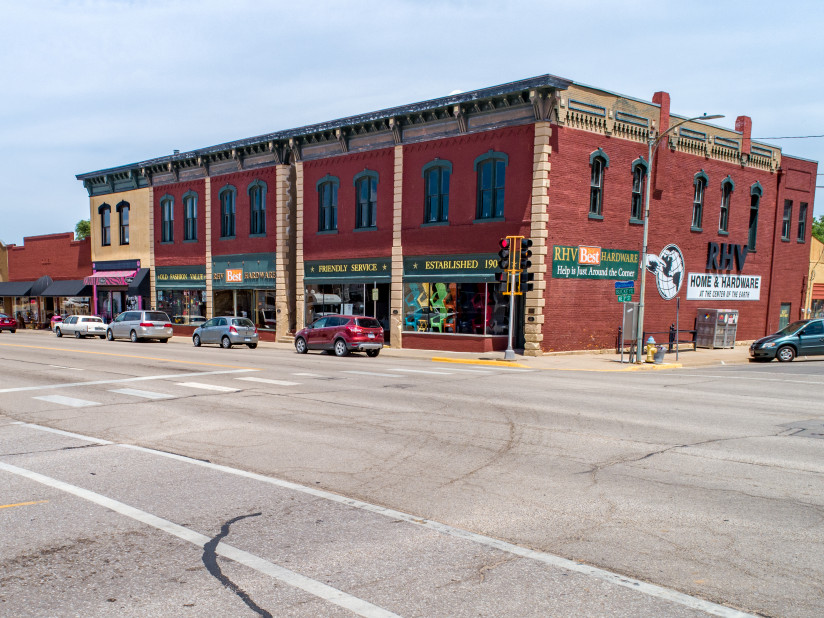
397, 214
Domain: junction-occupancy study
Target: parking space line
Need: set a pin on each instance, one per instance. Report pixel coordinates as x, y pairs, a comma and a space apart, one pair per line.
209, 387
144, 394
60, 432
261, 565
374, 373
67, 401
267, 381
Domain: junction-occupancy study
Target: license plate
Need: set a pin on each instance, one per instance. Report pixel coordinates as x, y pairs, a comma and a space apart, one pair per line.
371, 335
246, 339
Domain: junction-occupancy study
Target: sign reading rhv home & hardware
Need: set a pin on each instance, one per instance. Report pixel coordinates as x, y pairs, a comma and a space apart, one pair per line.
586, 262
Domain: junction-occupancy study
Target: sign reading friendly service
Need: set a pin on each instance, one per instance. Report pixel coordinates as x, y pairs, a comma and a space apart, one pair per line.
584, 262
702, 286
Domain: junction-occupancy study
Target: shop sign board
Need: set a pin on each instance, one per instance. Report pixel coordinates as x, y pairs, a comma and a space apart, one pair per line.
362, 270
466, 267
589, 262
180, 277
246, 271
708, 286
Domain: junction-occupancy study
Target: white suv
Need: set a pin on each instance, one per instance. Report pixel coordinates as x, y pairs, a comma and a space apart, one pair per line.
137, 325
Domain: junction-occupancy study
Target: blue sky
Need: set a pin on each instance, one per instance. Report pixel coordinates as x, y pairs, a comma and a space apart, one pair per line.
95, 84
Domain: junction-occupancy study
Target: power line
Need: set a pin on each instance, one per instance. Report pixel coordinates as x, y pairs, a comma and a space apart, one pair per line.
791, 137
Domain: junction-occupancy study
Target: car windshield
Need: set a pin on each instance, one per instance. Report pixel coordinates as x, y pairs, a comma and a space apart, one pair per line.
368, 323
791, 328
243, 322
156, 316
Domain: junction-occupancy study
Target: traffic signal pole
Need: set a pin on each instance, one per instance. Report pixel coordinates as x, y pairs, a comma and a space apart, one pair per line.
510, 353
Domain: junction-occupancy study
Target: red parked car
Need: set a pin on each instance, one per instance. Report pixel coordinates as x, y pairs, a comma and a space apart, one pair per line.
7, 323
341, 334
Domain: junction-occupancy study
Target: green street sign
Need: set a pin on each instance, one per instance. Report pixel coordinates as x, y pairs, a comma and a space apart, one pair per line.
624, 298
624, 291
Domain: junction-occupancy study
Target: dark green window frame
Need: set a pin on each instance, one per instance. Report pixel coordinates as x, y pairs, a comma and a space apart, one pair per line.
257, 208
366, 200
490, 169
167, 219
785, 223
327, 188
105, 212
752, 229
727, 188
228, 201
123, 209
190, 216
436, 175
639, 178
701, 180
802, 222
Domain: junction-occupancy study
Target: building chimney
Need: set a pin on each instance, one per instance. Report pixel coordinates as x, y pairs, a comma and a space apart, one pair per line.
743, 124
663, 99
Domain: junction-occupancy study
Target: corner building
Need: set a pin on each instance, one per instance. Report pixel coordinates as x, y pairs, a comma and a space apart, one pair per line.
397, 214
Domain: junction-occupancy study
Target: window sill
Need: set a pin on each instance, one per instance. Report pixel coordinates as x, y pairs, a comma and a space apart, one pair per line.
190, 240
434, 223
636, 221
801, 242
696, 229
167, 242
785, 239
723, 233
327, 231
490, 220
596, 217
227, 237
366, 229
263, 235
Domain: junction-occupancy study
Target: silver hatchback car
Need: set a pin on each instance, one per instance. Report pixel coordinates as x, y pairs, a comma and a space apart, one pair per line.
227, 331
137, 325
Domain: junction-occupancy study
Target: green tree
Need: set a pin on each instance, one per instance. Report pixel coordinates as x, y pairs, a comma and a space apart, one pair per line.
818, 228
82, 229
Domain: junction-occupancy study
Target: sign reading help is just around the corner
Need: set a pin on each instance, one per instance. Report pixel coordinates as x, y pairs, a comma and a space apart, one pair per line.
587, 262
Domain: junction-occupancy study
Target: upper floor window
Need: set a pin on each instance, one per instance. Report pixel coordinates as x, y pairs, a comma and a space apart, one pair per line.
366, 195
436, 175
639, 178
167, 219
802, 221
701, 181
105, 212
598, 162
123, 208
755, 200
257, 207
328, 203
490, 169
227, 211
785, 223
190, 215
727, 187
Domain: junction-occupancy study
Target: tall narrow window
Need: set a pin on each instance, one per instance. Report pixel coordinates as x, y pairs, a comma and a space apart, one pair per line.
366, 196
598, 162
785, 223
639, 178
123, 208
190, 215
328, 203
727, 187
802, 221
257, 208
227, 211
105, 212
701, 181
491, 172
167, 219
436, 175
755, 200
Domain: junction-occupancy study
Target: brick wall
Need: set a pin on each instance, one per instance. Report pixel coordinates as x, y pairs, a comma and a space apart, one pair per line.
57, 255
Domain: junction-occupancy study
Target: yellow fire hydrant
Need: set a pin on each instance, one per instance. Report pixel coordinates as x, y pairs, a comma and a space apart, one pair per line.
651, 350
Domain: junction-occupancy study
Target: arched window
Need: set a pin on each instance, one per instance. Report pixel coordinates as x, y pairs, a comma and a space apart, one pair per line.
701, 181
755, 199
167, 219
328, 203
598, 162
105, 212
190, 215
257, 207
639, 178
227, 197
366, 196
436, 175
727, 187
123, 208
490, 169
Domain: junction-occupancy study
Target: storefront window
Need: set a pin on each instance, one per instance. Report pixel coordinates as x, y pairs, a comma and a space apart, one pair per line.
817, 308
461, 308
183, 306
76, 305
367, 299
257, 305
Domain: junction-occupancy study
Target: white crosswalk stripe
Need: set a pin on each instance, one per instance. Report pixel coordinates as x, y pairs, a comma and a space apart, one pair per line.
267, 381
209, 387
67, 401
308, 375
435, 373
144, 394
375, 373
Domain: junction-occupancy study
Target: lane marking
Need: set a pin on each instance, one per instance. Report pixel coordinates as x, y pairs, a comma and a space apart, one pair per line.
374, 373
67, 401
9, 506
69, 368
757, 379
145, 394
267, 381
308, 375
435, 373
462, 370
261, 565
209, 387
167, 376
494, 363
60, 432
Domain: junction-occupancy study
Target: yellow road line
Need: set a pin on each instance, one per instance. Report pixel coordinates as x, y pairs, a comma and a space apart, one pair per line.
437, 359
8, 506
164, 360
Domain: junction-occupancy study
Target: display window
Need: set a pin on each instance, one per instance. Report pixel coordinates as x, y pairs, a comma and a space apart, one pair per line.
817, 308
183, 306
456, 308
257, 305
76, 305
367, 299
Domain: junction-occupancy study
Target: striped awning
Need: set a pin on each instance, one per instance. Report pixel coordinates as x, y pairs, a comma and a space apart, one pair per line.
110, 277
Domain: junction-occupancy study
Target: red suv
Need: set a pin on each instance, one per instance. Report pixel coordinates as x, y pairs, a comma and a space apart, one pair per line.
7, 323
341, 333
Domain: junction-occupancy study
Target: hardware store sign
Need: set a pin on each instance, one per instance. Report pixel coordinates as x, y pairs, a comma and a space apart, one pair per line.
587, 262
701, 286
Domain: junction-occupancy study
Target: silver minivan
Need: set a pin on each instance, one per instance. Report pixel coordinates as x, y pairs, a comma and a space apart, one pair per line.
137, 325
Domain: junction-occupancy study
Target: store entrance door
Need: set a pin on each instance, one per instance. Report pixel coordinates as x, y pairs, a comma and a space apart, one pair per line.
376, 304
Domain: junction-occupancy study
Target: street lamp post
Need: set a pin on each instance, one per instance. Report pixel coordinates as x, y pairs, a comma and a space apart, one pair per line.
652, 148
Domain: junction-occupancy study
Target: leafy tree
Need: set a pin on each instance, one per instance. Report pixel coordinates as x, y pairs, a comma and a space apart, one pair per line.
818, 228
82, 229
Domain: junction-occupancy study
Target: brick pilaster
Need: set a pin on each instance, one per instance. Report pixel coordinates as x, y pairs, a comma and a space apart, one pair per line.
300, 286
396, 290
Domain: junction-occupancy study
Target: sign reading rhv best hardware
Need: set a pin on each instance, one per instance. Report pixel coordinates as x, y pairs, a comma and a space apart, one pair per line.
586, 262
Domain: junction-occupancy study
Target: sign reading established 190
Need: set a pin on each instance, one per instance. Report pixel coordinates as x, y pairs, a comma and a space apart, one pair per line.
586, 262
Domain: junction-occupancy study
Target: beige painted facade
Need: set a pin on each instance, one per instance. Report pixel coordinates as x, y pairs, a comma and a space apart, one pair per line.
816, 276
140, 226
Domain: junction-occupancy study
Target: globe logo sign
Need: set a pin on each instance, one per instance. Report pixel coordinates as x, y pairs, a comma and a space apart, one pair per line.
668, 268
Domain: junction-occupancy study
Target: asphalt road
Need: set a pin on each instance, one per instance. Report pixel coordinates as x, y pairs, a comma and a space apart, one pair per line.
185, 482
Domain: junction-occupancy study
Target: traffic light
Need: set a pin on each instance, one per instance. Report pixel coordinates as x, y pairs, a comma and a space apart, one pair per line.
526, 253
526, 282
503, 254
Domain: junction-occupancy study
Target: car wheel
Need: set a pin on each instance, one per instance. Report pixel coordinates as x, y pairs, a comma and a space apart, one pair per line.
57, 332
340, 348
251, 346
196, 341
225, 343
109, 335
300, 346
77, 335
133, 336
785, 354
372, 353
